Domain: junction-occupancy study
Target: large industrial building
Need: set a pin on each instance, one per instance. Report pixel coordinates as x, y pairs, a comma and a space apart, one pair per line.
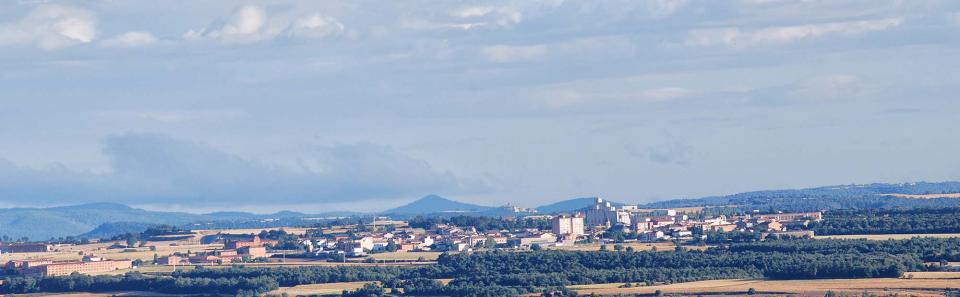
90, 265
603, 213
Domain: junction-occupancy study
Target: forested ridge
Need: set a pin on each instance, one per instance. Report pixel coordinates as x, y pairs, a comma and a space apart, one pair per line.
503, 273
889, 221
869, 196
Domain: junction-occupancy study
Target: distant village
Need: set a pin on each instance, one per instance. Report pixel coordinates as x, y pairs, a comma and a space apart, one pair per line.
385, 235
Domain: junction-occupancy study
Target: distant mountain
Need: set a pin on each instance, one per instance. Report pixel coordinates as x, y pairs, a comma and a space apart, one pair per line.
435, 204
98, 219
874, 195
45, 223
571, 205
107, 230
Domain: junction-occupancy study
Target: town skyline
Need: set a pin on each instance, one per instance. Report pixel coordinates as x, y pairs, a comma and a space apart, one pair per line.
496, 148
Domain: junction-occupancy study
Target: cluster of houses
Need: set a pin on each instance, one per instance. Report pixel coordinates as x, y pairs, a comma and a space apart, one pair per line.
567, 229
665, 224
399, 238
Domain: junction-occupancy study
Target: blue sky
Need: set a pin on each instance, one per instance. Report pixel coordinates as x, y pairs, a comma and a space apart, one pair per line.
364, 105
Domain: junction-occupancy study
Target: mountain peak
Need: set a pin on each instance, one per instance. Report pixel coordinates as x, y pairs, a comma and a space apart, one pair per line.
436, 204
432, 198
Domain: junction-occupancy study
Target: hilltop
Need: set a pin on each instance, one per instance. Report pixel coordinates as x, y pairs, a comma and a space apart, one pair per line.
435, 204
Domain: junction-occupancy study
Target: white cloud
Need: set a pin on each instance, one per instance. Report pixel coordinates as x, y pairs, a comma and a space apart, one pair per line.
778, 35
130, 39
244, 26
248, 20
513, 53
51, 27
252, 24
315, 26
491, 15
469, 18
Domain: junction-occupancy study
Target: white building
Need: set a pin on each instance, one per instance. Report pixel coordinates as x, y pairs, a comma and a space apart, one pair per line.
603, 213
569, 225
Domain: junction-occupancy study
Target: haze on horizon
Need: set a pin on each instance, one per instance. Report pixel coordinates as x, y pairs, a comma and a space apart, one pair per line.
365, 105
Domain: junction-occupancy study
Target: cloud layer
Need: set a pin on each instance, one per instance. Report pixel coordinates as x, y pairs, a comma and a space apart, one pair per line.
154, 168
504, 101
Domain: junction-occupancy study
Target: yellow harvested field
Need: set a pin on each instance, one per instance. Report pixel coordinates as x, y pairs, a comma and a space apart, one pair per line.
933, 275
407, 256
319, 289
922, 284
925, 196
73, 252
689, 210
887, 236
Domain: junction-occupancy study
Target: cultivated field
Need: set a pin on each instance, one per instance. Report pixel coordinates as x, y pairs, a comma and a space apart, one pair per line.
73, 252
327, 289
319, 289
406, 256
887, 236
922, 284
161, 248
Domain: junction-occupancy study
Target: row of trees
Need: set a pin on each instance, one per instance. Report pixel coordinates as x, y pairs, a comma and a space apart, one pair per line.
137, 282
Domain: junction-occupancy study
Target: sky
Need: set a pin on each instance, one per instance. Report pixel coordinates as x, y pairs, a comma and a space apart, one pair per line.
365, 105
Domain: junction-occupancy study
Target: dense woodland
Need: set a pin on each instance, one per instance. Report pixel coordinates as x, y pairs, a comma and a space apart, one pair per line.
889, 221
513, 273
